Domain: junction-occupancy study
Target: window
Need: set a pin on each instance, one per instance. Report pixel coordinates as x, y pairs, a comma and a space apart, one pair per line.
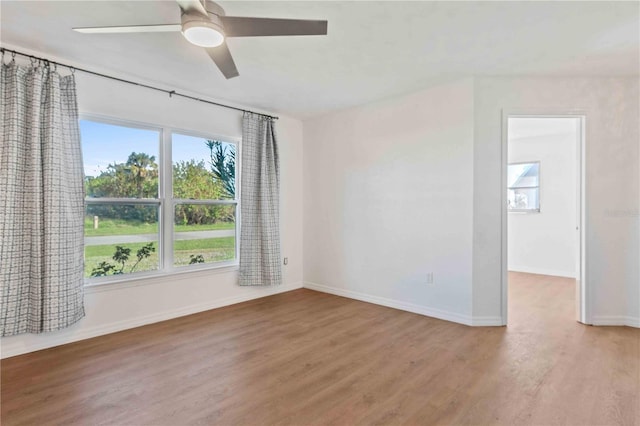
524, 187
204, 197
156, 199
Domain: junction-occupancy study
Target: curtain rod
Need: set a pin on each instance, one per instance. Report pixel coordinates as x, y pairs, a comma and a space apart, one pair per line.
169, 92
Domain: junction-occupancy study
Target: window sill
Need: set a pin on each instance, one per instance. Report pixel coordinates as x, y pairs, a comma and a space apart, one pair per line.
116, 282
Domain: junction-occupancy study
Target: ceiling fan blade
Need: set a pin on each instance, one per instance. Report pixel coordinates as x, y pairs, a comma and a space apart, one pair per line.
223, 59
161, 28
240, 26
190, 6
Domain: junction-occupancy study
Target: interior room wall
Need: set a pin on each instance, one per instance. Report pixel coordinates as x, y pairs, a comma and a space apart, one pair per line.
115, 307
391, 192
612, 154
546, 242
388, 199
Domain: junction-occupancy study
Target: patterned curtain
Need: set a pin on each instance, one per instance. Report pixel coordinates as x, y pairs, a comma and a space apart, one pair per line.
259, 203
42, 201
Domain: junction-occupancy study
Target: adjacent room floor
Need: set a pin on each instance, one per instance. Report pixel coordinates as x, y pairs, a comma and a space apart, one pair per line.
305, 357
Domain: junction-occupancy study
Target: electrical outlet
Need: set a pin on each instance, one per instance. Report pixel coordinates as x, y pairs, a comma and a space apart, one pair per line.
286, 261
429, 277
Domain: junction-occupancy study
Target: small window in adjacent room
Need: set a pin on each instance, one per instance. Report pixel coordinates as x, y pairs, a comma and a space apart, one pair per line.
524, 187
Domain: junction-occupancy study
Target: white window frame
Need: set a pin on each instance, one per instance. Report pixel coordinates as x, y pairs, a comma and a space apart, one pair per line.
536, 210
166, 203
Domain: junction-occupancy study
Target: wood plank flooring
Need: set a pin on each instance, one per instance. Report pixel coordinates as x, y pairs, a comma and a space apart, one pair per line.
308, 358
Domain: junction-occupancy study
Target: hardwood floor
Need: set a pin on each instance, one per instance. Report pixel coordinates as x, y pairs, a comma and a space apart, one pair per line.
307, 358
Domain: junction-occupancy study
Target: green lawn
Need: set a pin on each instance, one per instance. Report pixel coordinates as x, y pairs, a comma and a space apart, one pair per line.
132, 227
212, 249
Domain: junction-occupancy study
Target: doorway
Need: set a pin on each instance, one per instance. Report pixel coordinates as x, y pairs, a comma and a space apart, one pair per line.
543, 214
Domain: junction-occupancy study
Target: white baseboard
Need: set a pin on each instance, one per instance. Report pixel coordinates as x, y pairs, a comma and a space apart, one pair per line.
487, 322
11, 347
405, 306
616, 320
543, 271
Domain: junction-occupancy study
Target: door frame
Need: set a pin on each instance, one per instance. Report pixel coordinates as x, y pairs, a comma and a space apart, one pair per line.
583, 289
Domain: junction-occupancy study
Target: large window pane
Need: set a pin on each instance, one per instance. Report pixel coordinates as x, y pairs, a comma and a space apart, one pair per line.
120, 239
204, 234
119, 161
203, 169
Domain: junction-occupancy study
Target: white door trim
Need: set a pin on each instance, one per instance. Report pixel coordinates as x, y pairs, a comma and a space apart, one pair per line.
584, 314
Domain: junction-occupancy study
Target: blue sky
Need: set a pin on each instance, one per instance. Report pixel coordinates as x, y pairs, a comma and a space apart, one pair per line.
103, 144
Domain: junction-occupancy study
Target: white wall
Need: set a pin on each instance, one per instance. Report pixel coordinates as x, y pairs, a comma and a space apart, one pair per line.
546, 242
388, 198
119, 306
413, 153
391, 191
612, 109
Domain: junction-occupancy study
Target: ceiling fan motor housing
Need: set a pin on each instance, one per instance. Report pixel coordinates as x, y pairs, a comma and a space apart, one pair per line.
203, 29
196, 20
213, 8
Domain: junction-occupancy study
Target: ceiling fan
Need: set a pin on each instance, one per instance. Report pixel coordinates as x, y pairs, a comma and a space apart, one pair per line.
204, 23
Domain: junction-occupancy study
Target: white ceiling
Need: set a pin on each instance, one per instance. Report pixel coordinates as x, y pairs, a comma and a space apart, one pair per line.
374, 50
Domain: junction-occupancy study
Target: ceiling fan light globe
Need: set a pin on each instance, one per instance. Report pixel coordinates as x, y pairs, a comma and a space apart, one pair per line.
202, 35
